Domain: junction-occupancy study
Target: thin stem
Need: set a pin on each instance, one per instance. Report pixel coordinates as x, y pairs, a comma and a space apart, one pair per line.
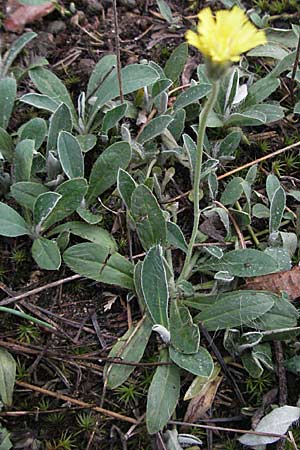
118, 50
197, 176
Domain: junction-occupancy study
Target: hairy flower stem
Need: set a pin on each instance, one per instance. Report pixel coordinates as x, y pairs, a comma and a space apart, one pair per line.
197, 175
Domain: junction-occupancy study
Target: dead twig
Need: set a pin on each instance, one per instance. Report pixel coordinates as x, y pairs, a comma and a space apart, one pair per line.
234, 223
9, 300
258, 160
98, 331
232, 430
282, 381
222, 364
74, 401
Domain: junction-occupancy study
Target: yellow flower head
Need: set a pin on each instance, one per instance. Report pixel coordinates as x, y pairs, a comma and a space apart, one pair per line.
223, 37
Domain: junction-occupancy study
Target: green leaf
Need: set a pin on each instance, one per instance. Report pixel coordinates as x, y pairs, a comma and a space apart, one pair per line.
200, 363
149, 219
49, 84
88, 216
46, 254
165, 10
15, 49
8, 91
260, 211
99, 263
229, 144
235, 309
191, 95
126, 185
72, 193
277, 208
160, 86
7, 376
154, 128
134, 77
277, 421
191, 149
176, 127
185, 335
272, 184
91, 233
155, 286
251, 175
44, 205
245, 263
282, 315
23, 160
129, 348
175, 237
252, 365
231, 90
112, 117
99, 73
283, 65
175, 64
11, 223
261, 113
6, 145
70, 155
261, 90
282, 37
61, 120
5, 442
263, 353
232, 191
87, 142
35, 129
268, 51
40, 101
163, 395
105, 170
26, 192
281, 256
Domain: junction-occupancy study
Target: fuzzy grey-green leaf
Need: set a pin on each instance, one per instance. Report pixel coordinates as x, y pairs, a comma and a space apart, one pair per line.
185, 335
11, 223
163, 395
155, 286
105, 170
7, 376
148, 217
46, 254
100, 263
200, 363
70, 155
129, 348
8, 91
245, 263
236, 309
26, 192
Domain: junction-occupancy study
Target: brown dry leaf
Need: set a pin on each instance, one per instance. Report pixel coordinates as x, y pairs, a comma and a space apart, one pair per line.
288, 281
19, 15
202, 402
